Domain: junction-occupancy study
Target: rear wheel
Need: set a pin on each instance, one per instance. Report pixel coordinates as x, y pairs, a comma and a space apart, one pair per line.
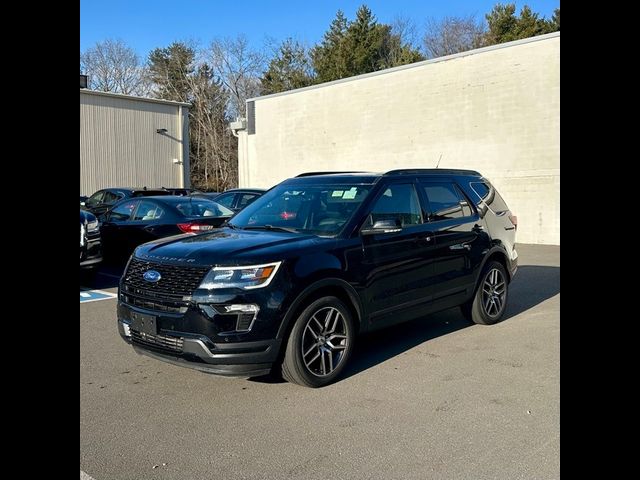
490, 300
320, 344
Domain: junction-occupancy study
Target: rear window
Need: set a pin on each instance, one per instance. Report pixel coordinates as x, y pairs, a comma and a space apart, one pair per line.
202, 208
489, 195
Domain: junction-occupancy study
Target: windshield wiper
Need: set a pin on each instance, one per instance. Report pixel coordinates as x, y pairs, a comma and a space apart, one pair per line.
271, 227
229, 225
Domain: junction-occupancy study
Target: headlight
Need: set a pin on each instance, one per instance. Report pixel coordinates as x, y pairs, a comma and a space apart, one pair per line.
247, 278
93, 226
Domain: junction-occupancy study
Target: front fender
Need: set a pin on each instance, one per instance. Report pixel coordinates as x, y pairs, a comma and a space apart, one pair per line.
307, 292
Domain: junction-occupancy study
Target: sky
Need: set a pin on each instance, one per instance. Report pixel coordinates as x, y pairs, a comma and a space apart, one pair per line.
145, 25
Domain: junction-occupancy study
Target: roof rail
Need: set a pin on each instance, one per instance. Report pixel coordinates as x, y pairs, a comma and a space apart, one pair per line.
311, 174
430, 171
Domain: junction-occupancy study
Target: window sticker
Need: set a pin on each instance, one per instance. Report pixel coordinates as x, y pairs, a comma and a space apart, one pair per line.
350, 194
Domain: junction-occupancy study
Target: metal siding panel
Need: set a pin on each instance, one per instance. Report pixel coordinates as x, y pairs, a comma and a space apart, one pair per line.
119, 145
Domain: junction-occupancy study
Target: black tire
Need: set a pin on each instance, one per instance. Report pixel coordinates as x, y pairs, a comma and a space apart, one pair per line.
307, 334
481, 309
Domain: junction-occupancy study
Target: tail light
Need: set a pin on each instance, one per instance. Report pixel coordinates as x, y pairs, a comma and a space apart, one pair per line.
194, 227
514, 220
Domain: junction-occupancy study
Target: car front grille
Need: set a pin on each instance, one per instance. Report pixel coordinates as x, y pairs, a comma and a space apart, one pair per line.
161, 343
176, 281
152, 301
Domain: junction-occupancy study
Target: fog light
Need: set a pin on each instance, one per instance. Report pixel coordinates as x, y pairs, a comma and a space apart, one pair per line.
127, 330
246, 315
250, 308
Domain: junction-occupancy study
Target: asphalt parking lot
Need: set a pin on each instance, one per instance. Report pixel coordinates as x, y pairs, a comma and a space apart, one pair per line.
435, 398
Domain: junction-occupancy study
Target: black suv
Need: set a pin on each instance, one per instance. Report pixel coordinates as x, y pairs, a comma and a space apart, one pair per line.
293, 278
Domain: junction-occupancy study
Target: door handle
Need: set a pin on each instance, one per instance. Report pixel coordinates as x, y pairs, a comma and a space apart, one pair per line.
425, 239
460, 246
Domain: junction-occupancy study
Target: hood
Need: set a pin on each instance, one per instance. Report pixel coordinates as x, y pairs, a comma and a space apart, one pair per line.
230, 247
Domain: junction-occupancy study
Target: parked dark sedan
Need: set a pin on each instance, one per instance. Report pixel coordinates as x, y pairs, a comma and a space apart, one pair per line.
134, 221
90, 244
236, 198
102, 200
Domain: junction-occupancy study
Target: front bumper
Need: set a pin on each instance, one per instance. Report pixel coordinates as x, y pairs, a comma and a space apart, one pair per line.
193, 350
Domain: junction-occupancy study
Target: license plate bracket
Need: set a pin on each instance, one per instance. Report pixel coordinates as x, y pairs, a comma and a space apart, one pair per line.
144, 323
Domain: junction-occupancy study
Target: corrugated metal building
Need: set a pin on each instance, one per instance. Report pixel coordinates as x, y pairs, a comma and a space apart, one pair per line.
494, 109
130, 141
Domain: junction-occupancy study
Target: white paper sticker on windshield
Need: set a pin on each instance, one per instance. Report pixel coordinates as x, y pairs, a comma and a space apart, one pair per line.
350, 194
337, 193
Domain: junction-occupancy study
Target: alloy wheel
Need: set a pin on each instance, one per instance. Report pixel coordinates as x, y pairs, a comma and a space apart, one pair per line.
494, 290
324, 341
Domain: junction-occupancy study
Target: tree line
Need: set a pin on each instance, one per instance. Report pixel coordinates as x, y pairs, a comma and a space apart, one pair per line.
218, 78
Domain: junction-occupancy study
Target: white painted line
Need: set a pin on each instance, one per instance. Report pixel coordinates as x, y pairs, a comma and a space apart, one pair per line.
83, 294
84, 476
96, 300
105, 293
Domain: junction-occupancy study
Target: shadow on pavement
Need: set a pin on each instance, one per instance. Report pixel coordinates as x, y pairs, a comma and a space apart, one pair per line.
531, 286
107, 275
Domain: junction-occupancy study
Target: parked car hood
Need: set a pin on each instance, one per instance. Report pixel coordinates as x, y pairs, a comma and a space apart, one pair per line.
230, 247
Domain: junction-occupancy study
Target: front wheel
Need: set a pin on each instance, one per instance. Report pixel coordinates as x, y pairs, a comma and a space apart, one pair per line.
490, 300
320, 344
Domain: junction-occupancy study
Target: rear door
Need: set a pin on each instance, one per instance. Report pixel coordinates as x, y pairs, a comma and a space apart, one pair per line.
116, 235
148, 223
458, 241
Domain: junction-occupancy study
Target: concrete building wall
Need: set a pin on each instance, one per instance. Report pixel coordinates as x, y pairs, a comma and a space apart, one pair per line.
495, 110
120, 146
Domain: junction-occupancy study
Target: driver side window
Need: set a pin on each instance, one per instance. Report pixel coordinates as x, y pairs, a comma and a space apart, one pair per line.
397, 202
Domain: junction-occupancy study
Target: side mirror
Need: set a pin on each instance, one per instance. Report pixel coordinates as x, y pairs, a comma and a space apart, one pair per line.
383, 226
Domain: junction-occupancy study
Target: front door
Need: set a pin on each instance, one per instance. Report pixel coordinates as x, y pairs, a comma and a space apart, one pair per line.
397, 267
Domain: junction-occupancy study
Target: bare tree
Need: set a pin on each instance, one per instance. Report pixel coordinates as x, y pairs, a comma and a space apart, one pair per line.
403, 41
238, 68
451, 35
112, 66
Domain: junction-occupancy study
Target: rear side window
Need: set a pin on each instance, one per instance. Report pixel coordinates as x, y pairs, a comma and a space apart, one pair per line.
225, 200
489, 195
446, 201
122, 212
246, 199
148, 211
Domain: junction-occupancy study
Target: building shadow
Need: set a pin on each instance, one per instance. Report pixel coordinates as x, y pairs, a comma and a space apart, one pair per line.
532, 285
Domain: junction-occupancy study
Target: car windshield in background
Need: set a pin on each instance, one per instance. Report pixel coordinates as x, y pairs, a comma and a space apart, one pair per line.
199, 207
317, 209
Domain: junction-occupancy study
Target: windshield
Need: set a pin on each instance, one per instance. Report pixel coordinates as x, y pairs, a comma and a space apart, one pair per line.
319, 209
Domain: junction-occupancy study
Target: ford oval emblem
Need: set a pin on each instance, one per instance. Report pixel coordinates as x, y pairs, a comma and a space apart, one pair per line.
152, 276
